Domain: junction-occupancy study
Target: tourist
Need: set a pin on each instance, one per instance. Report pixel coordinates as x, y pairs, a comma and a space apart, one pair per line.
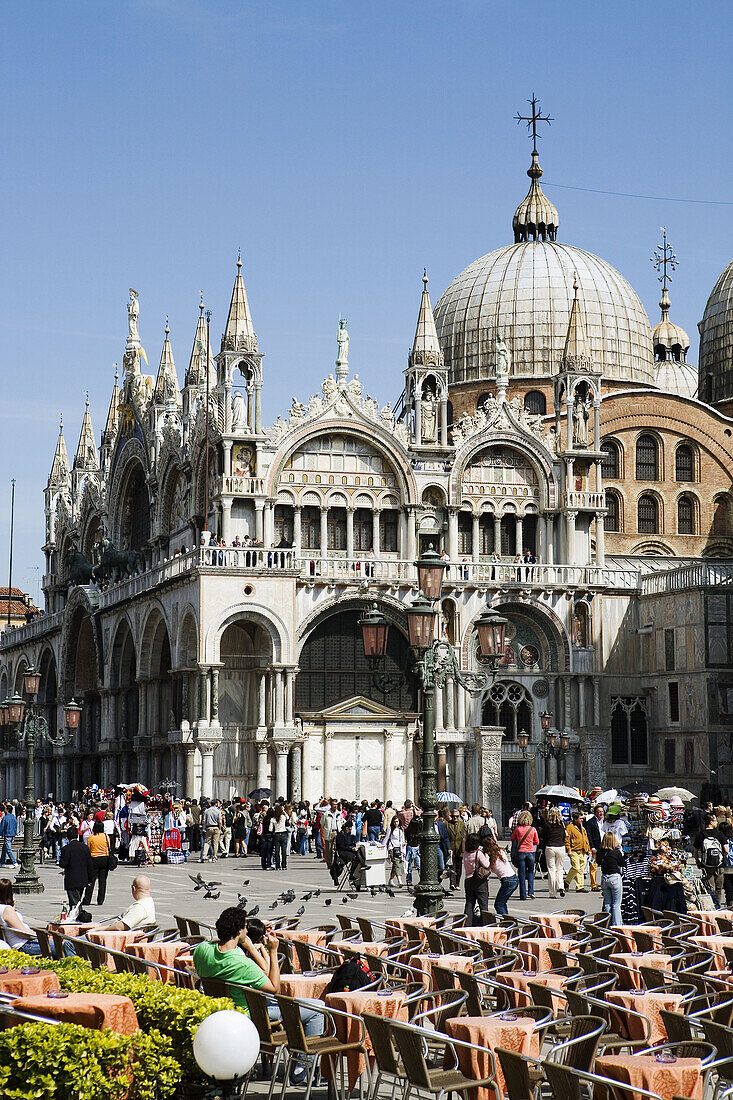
280, 834
413, 832
235, 958
13, 929
240, 831
578, 848
78, 867
594, 828
502, 869
99, 849
331, 821
85, 827
456, 827
711, 848
612, 862
395, 844
553, 838
302, 829
373, 820
8, 833
212, 822
138, 915
346, 851
477, 867
526, 839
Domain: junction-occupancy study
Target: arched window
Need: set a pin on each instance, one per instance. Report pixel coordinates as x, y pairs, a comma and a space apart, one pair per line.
482, 397
449, 408
610, 462
685, 516
660, 353
722, 515
535, 403
684, 463
648, 515
465, 533
647, 458
612, 519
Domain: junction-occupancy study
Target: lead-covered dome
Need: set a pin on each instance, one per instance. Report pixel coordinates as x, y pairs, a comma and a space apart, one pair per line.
716, 342
525, 292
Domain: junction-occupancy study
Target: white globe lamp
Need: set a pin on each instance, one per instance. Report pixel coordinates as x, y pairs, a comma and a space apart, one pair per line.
226, 1045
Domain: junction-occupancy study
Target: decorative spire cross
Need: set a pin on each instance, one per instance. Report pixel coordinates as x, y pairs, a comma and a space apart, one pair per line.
533, 119
663, 258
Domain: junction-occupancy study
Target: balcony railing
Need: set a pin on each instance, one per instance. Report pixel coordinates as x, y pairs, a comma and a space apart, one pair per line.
699, 575
30, 631
580, 498
239, 486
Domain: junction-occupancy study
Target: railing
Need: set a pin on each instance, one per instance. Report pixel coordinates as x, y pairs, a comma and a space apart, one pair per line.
350, 569
580, 498
240, 486
700, 575
35, 629
178, 566
257, 559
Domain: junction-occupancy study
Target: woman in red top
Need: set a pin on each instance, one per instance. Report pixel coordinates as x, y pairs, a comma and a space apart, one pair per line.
526, 838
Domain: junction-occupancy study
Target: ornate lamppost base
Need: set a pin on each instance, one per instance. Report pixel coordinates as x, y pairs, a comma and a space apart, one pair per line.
428, 900
27, 882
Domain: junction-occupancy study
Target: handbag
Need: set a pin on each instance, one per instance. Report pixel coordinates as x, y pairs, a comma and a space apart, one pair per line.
112, 861
514, 850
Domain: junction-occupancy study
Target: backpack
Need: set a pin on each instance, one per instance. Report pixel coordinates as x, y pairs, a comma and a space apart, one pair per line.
711, 853
352, 974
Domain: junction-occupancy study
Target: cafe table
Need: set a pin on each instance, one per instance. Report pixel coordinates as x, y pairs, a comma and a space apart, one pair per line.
400, 925
681, 1077
516, 1033
626, 935
116, 941
19, 984
656, 960
364, 947
382, 1002
426, 963
550, 922
306, 983
95, 1010
489, 933
163, 952
715, 944
315, 937
518, 982
707, 919
649, 1005
534, 950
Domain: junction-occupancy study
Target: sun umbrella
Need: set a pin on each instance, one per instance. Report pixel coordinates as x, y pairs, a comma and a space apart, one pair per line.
448, 796
260, 793
558, 790
606, 796
676, 792
637, 786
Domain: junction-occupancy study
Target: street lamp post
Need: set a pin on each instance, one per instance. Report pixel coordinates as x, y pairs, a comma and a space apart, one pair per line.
551, 748
433, 662
22, 717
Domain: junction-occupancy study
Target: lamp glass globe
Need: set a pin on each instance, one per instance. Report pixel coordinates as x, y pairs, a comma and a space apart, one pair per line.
226, 1045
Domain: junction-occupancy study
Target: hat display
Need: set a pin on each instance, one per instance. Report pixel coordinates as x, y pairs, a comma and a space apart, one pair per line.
614, 810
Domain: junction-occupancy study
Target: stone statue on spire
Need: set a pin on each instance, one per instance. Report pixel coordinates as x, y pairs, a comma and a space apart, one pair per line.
342, 359
133, 311
503, 357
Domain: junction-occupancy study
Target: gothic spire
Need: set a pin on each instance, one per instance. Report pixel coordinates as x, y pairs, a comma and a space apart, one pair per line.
60, 466
113, 412
426, 346
239, 334
195, 375
576, 353
166, 385
86, 457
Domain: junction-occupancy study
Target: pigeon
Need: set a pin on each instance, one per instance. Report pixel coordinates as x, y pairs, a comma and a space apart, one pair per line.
241, 902
212, 895
273, 906
306, 897
373, 892
198, 880
390, 892
300, 911
254, 912
353, 897
246, 882
344, 901
328, 901
317, 893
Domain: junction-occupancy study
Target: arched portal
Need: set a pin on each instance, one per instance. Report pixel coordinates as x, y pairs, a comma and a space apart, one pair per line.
134, 521
247, 707
123, 680
47, 697
82, 683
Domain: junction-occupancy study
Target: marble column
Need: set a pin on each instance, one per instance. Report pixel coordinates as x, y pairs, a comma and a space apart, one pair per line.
204, 695
142, 709
453, 534
519, 536
261, 698
189, 774
450, 714
297, 538
475, 538
262, 776
460, 707
411, 534
324, 532
570, 542
207, 769
327, 764
460, 778
488, 741
418, 419
376, 540
387, 766
582, 687
444, 422
296, 770
349, 533
290, 674
442, 756
215, 695
596, 701
259, 521
600, 540
279, 676
226, 520
497, 535
281, 771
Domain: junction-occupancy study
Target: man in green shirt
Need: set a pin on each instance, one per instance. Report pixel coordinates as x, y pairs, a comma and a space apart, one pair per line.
233, 957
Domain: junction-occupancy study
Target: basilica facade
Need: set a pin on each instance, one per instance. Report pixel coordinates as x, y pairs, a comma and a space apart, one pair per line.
206, 572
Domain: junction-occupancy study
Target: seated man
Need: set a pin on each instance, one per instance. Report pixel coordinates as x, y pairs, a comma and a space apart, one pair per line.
140, 913
235, 958
347, 852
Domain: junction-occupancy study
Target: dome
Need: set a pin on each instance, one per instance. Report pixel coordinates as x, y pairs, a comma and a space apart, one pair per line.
525, 292
716, 341
676, 377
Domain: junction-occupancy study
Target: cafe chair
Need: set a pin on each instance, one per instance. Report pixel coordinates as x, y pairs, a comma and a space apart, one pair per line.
313, 1050
574, 1084
411, 1042
273, 1038
523, 1075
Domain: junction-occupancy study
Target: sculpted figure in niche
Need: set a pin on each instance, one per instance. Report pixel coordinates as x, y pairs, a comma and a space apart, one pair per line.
428, 417
580, 422
133, 310
239, 412
343, 343
329, 388
503, 357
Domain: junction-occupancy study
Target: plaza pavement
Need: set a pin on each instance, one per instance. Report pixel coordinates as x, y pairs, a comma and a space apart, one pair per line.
173, 893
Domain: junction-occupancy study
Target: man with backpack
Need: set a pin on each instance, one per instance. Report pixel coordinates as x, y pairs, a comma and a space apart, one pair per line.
711, 848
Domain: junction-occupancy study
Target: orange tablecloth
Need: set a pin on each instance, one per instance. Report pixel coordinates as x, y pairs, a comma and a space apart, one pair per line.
28, 985
404, 924
69, 929
680, 1078
491, 933
708, 919
97, 1010
425, 963
716, 945
308, 984
649, 1005
357, 1003
654, 959
626, 935
492, 1032
377, 947
534, 950
116, 941
163, 953
519, 981
312, 936
550, 922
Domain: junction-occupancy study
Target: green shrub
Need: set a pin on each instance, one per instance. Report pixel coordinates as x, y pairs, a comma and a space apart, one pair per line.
70, 1062
175, 1013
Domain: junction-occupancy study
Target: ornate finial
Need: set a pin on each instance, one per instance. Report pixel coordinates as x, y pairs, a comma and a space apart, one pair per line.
533, 119
201, 303
86, 394
576, 285
117, 375
61, 422
425, 277
239, 259
167, 330
663, 258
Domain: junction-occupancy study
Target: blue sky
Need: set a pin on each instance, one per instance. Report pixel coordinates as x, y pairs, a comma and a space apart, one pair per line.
343, 146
